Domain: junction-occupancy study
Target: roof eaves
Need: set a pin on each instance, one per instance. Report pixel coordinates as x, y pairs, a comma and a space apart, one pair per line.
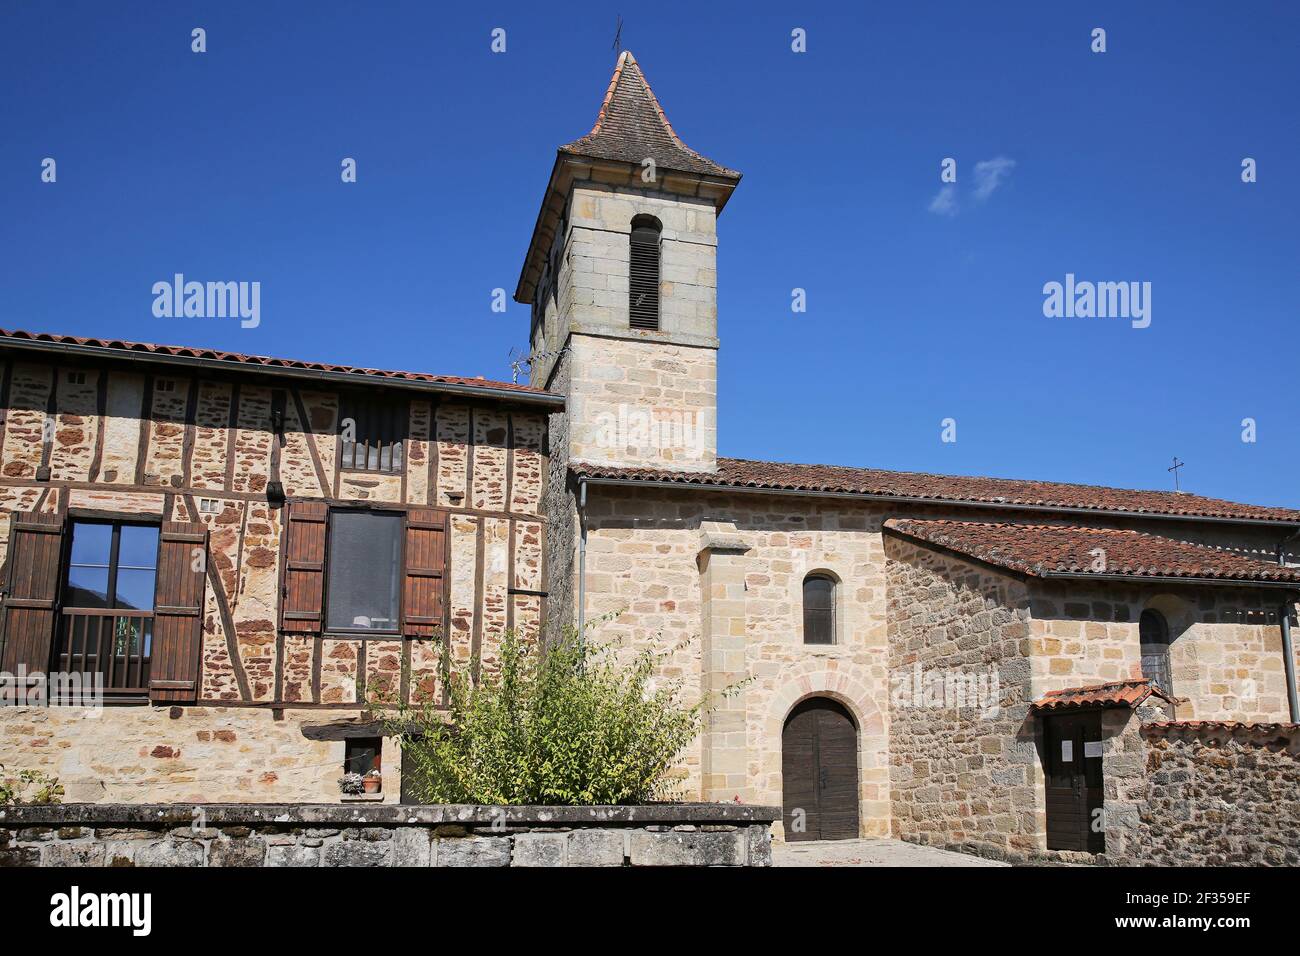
359, 378
924, 499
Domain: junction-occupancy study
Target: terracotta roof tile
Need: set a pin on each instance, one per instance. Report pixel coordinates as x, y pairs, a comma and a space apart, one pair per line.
1125, 693
632, 127
1046, 550
261, 361
780, 476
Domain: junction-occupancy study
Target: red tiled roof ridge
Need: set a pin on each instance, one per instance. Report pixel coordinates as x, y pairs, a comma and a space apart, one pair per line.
1106, 685
742, 473
261, 361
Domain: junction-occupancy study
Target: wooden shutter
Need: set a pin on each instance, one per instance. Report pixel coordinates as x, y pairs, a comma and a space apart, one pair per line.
643, 278
426, 562
303, 592
31, 595
178, 612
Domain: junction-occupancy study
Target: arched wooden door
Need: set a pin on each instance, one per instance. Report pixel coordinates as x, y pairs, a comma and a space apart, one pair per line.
819, 769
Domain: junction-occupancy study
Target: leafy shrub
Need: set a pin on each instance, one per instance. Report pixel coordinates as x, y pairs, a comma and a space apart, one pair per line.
15, 789
568, 724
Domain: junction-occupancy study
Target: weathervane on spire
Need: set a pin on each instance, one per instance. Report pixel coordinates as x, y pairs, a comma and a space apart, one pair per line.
618, 36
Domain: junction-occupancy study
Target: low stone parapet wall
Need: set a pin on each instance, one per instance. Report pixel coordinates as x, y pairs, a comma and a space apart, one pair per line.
694, 834
1218, 794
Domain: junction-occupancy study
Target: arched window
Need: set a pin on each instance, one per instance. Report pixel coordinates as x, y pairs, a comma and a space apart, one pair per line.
819, 609
1153, 632
643, 273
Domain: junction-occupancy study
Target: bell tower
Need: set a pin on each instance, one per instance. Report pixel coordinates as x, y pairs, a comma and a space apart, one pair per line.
621, 275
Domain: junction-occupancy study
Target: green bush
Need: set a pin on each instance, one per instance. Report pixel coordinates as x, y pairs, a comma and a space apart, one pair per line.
16, 789
566, 725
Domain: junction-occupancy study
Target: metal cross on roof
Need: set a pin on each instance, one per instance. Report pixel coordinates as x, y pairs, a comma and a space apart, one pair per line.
618, 36
1176, 465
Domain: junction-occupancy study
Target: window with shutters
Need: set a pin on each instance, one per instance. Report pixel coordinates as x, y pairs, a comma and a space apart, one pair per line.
643, 273
372, 433
364, 571
107, 622
819, 609
1153, 633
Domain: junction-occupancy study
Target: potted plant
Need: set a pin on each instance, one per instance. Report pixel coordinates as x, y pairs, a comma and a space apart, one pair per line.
372, 781
352, 784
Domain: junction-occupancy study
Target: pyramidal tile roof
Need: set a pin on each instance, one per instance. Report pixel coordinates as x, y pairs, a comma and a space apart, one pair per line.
632, 127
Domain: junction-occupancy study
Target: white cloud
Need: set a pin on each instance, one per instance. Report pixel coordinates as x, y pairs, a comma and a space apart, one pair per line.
989, 175
945, 201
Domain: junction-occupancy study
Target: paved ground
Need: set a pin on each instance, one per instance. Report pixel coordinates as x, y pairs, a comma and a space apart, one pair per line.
869, 853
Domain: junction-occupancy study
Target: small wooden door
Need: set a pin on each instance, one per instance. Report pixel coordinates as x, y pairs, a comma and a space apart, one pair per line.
819, 767
1074, 782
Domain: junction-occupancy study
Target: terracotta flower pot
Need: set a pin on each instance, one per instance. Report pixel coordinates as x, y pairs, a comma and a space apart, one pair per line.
372, 784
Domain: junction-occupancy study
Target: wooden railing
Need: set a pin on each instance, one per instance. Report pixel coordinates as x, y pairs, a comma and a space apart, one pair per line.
114, 642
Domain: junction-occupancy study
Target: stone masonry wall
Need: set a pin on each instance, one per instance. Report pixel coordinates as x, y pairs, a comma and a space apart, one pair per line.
643, 403
1225, 655
1218, 794
962, 751
332, 836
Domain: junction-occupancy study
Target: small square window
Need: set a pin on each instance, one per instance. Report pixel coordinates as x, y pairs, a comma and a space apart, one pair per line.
364, 755
372, 434
164, 385
209, 506
76, 378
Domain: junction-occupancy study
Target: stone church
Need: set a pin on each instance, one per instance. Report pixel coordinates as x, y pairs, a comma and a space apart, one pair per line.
1017, 668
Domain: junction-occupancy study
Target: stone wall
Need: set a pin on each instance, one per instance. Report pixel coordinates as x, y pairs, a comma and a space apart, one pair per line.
644, 567
962, 741
1226, 651
183, 754
409, 836
1215, 794
643, 402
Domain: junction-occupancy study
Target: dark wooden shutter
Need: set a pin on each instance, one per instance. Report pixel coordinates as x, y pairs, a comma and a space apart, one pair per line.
178, 611
426, 563
303, 592
643, 278
31, 595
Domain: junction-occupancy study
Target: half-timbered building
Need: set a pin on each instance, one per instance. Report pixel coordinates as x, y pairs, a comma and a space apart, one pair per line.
243, 550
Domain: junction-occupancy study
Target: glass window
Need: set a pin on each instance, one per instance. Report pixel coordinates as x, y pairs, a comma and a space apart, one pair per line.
112, 565
365, 565
818, 609
1153, 633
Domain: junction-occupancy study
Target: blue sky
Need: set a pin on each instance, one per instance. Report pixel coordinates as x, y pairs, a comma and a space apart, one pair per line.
1127, 167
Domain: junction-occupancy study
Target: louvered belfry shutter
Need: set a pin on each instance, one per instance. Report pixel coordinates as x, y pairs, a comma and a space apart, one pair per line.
426, 564
178, 612
303, 595
31, 593
643, 277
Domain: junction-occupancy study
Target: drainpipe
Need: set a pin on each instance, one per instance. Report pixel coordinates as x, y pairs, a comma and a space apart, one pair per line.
582, 562
1288, 652
1288, 662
